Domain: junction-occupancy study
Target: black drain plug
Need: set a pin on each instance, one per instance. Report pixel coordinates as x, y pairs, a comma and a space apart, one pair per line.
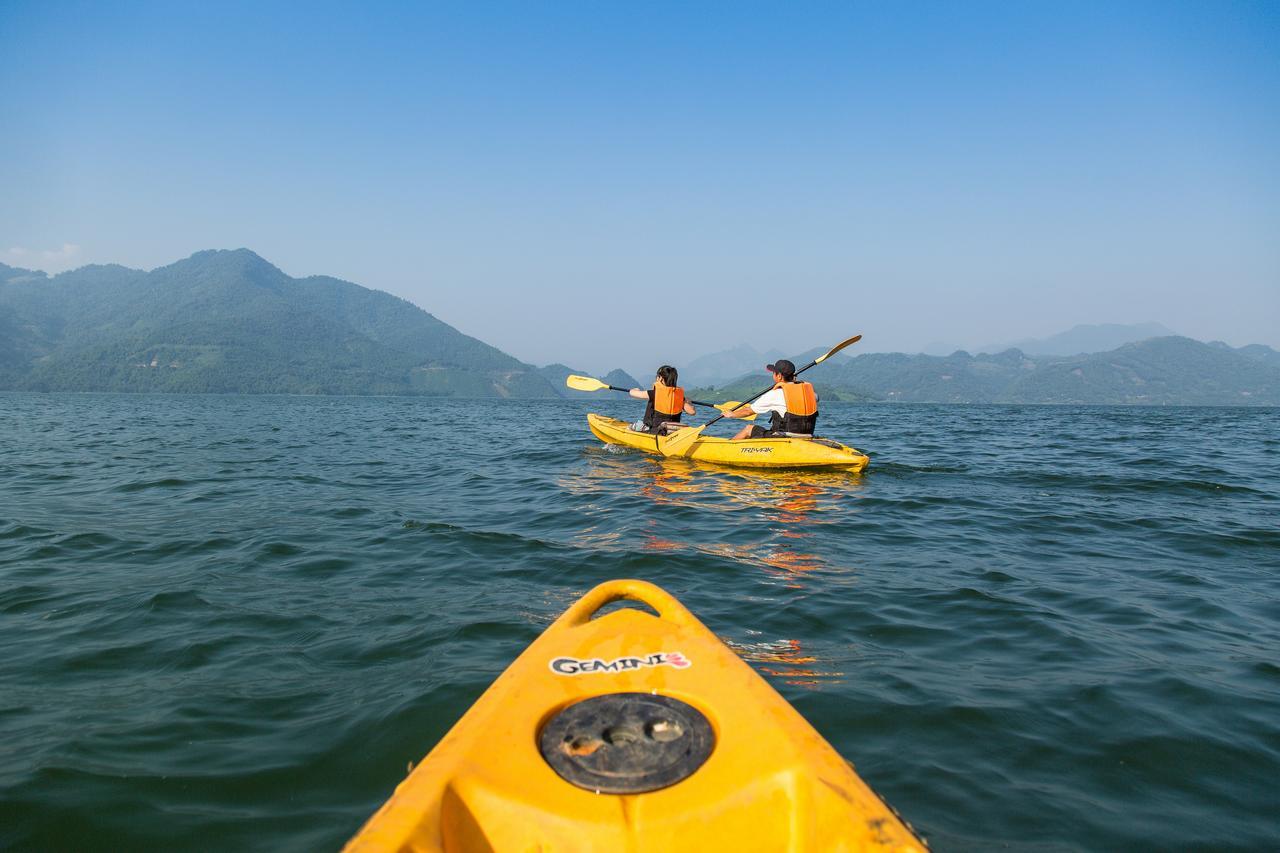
627, 743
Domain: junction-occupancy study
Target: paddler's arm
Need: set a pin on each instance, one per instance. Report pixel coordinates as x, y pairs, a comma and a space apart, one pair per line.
639, 393
741, 412
689, 409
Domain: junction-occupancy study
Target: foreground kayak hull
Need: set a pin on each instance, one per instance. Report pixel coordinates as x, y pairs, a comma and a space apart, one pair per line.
747, 453
763, 780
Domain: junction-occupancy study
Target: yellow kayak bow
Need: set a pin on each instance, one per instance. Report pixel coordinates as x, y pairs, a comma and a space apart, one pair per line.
631, 731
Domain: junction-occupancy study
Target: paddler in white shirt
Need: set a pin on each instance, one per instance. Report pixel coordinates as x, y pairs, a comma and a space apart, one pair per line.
792, 406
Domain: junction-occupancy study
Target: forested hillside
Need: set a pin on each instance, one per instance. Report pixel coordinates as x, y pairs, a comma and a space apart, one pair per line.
1159, 371
224, 321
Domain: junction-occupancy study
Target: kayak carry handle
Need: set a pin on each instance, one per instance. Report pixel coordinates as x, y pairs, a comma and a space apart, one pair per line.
629, 589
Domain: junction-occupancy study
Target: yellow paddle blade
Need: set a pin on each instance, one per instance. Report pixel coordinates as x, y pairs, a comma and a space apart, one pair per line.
734, 404
682, 442
835, 349
584, 383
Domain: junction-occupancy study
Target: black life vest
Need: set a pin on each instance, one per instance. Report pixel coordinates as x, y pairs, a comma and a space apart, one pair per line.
802, 409
665, 404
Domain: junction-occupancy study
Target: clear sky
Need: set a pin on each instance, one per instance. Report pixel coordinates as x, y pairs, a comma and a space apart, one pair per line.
617, 183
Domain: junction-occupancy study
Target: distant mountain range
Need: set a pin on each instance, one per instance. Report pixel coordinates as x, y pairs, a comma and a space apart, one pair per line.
557, 373
718, 368
228, 321
1168, 370
1084, 339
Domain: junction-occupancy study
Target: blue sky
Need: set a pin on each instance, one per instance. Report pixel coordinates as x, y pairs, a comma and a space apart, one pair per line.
620, 183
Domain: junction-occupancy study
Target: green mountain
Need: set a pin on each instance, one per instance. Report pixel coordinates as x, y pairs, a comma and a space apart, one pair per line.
228, 321
1255, 352
1086, 339
719, 367
557, 373
1160, 371
621, 379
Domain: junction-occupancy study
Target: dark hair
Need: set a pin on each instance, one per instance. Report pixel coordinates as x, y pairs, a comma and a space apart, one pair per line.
668, 375
784, 367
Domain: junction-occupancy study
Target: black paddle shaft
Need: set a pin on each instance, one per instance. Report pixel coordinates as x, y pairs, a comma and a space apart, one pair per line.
695, 402
758, 396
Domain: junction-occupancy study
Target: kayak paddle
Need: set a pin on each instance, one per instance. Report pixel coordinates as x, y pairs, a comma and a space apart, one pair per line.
586, 383
681, 443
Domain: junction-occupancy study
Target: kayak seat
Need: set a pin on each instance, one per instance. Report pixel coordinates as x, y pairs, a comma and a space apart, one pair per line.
664, 428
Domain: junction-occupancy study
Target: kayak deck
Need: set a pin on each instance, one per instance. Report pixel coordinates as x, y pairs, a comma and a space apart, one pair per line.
633, 730
746, 453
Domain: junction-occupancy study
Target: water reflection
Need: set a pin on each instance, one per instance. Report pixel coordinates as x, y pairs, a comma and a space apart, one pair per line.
785, 659
771, 522
672, 480
781, 537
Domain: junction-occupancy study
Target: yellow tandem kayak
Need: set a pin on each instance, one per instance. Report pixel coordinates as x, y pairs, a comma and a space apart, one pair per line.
748, 453
632, 731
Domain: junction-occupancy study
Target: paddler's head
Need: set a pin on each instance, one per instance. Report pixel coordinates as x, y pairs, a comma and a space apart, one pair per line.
782, 369
668, 376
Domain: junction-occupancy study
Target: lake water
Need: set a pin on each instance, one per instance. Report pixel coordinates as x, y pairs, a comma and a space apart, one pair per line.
230, 622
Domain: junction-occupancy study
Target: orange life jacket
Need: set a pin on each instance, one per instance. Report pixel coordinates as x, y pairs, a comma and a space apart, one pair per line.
667, 400
802, 409
800, 399
665, 404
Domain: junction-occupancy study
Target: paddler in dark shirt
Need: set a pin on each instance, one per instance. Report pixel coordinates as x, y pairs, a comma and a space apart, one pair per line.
666, 401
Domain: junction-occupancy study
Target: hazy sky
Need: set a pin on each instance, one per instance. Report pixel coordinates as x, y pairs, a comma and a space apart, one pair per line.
616, 183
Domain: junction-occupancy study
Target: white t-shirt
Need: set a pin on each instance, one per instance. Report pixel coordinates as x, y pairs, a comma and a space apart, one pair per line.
772, 401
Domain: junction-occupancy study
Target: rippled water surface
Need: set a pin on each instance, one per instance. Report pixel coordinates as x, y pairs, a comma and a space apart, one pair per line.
231, 622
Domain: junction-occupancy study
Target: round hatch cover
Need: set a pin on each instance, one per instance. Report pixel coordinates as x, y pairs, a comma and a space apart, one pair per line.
627, 743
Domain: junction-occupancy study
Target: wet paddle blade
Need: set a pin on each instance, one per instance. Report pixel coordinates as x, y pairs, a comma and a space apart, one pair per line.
835, 349
682, 442
584, 383
728, 407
